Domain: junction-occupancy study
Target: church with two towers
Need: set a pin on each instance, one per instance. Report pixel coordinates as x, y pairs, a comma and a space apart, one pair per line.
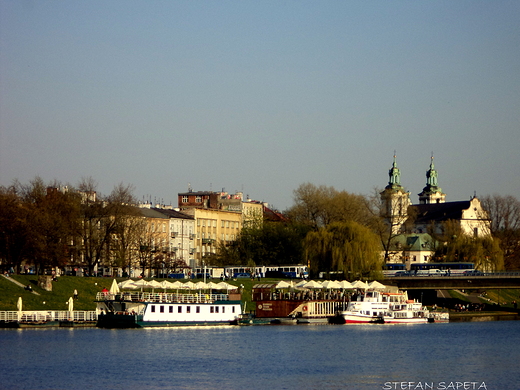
410, 224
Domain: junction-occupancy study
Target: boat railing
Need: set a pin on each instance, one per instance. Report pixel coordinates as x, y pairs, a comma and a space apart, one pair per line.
48, 316
161, 297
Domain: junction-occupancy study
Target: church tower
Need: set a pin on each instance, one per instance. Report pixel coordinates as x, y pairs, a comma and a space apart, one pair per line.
395, 200
432, 193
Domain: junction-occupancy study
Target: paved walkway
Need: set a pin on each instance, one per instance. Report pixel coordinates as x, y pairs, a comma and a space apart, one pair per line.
18, 283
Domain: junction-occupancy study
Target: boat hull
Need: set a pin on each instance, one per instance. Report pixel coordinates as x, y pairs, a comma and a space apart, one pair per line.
122, 321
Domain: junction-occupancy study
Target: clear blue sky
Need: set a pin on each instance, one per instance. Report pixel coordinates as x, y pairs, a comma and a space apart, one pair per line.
261, 96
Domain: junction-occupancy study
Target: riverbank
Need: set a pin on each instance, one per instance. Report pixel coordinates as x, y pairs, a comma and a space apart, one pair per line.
484, 316
86, 287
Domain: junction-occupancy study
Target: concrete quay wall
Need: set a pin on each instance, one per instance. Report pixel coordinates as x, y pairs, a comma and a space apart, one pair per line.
487, 316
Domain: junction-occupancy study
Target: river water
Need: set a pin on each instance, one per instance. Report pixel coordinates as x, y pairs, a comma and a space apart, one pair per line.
483, 355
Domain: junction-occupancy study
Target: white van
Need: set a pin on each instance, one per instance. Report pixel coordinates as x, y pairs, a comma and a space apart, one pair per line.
430, 272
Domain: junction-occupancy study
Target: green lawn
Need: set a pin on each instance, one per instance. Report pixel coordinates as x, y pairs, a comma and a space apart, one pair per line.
63, 289
57, 299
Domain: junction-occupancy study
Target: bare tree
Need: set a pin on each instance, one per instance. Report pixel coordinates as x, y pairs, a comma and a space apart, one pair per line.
389, 224
504, 213
318, 206
102, 219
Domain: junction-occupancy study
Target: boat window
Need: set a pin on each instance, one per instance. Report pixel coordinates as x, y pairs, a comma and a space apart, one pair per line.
152, 308
197, 309
211, 309
161, 309
188, 309
179, 309
171, 309
223, 309
233, 309
216, 309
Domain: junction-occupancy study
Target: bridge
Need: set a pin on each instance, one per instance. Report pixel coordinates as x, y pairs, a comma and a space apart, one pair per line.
497, 280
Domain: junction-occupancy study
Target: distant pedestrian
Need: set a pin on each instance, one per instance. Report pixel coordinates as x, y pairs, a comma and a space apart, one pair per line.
75, 294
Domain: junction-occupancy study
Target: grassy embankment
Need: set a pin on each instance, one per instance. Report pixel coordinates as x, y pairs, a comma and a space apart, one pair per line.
503, 296
57, 299
63, 289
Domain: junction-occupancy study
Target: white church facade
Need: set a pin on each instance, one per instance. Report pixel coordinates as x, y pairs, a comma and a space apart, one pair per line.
409, 224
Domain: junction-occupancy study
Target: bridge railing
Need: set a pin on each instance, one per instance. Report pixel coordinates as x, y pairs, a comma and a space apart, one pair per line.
478, 274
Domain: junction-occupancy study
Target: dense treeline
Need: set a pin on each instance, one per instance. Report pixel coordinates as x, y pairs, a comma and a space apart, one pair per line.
332, 231
50, 225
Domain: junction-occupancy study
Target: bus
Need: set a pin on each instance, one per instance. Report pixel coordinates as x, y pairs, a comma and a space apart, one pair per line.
271, 271
451, 269
390, 269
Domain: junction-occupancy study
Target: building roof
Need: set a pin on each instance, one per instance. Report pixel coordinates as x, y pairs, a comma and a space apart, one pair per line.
274, 216
439, 212
150, 213
415, 242
197, 193
173, 213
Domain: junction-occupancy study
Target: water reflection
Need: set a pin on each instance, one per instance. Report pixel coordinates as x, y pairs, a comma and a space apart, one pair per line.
259, 357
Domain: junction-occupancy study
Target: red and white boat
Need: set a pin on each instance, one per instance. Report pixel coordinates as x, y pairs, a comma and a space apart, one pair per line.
383, 307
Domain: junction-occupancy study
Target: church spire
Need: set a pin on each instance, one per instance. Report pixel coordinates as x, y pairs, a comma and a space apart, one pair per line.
395, 175
395, 200
431, 175
432, 193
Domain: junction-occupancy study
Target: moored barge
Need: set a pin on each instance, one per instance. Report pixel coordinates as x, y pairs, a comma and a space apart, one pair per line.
144, 309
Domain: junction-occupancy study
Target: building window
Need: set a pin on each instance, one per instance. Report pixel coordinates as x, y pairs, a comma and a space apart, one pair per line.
198, 199
184, 199
475, 232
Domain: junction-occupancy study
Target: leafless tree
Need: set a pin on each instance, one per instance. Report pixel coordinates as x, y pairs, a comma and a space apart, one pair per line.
504, 213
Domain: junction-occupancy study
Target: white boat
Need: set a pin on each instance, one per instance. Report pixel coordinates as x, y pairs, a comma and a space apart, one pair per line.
142, 309
383, 307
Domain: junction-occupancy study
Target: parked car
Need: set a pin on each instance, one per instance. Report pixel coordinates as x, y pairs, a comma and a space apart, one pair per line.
473, 272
